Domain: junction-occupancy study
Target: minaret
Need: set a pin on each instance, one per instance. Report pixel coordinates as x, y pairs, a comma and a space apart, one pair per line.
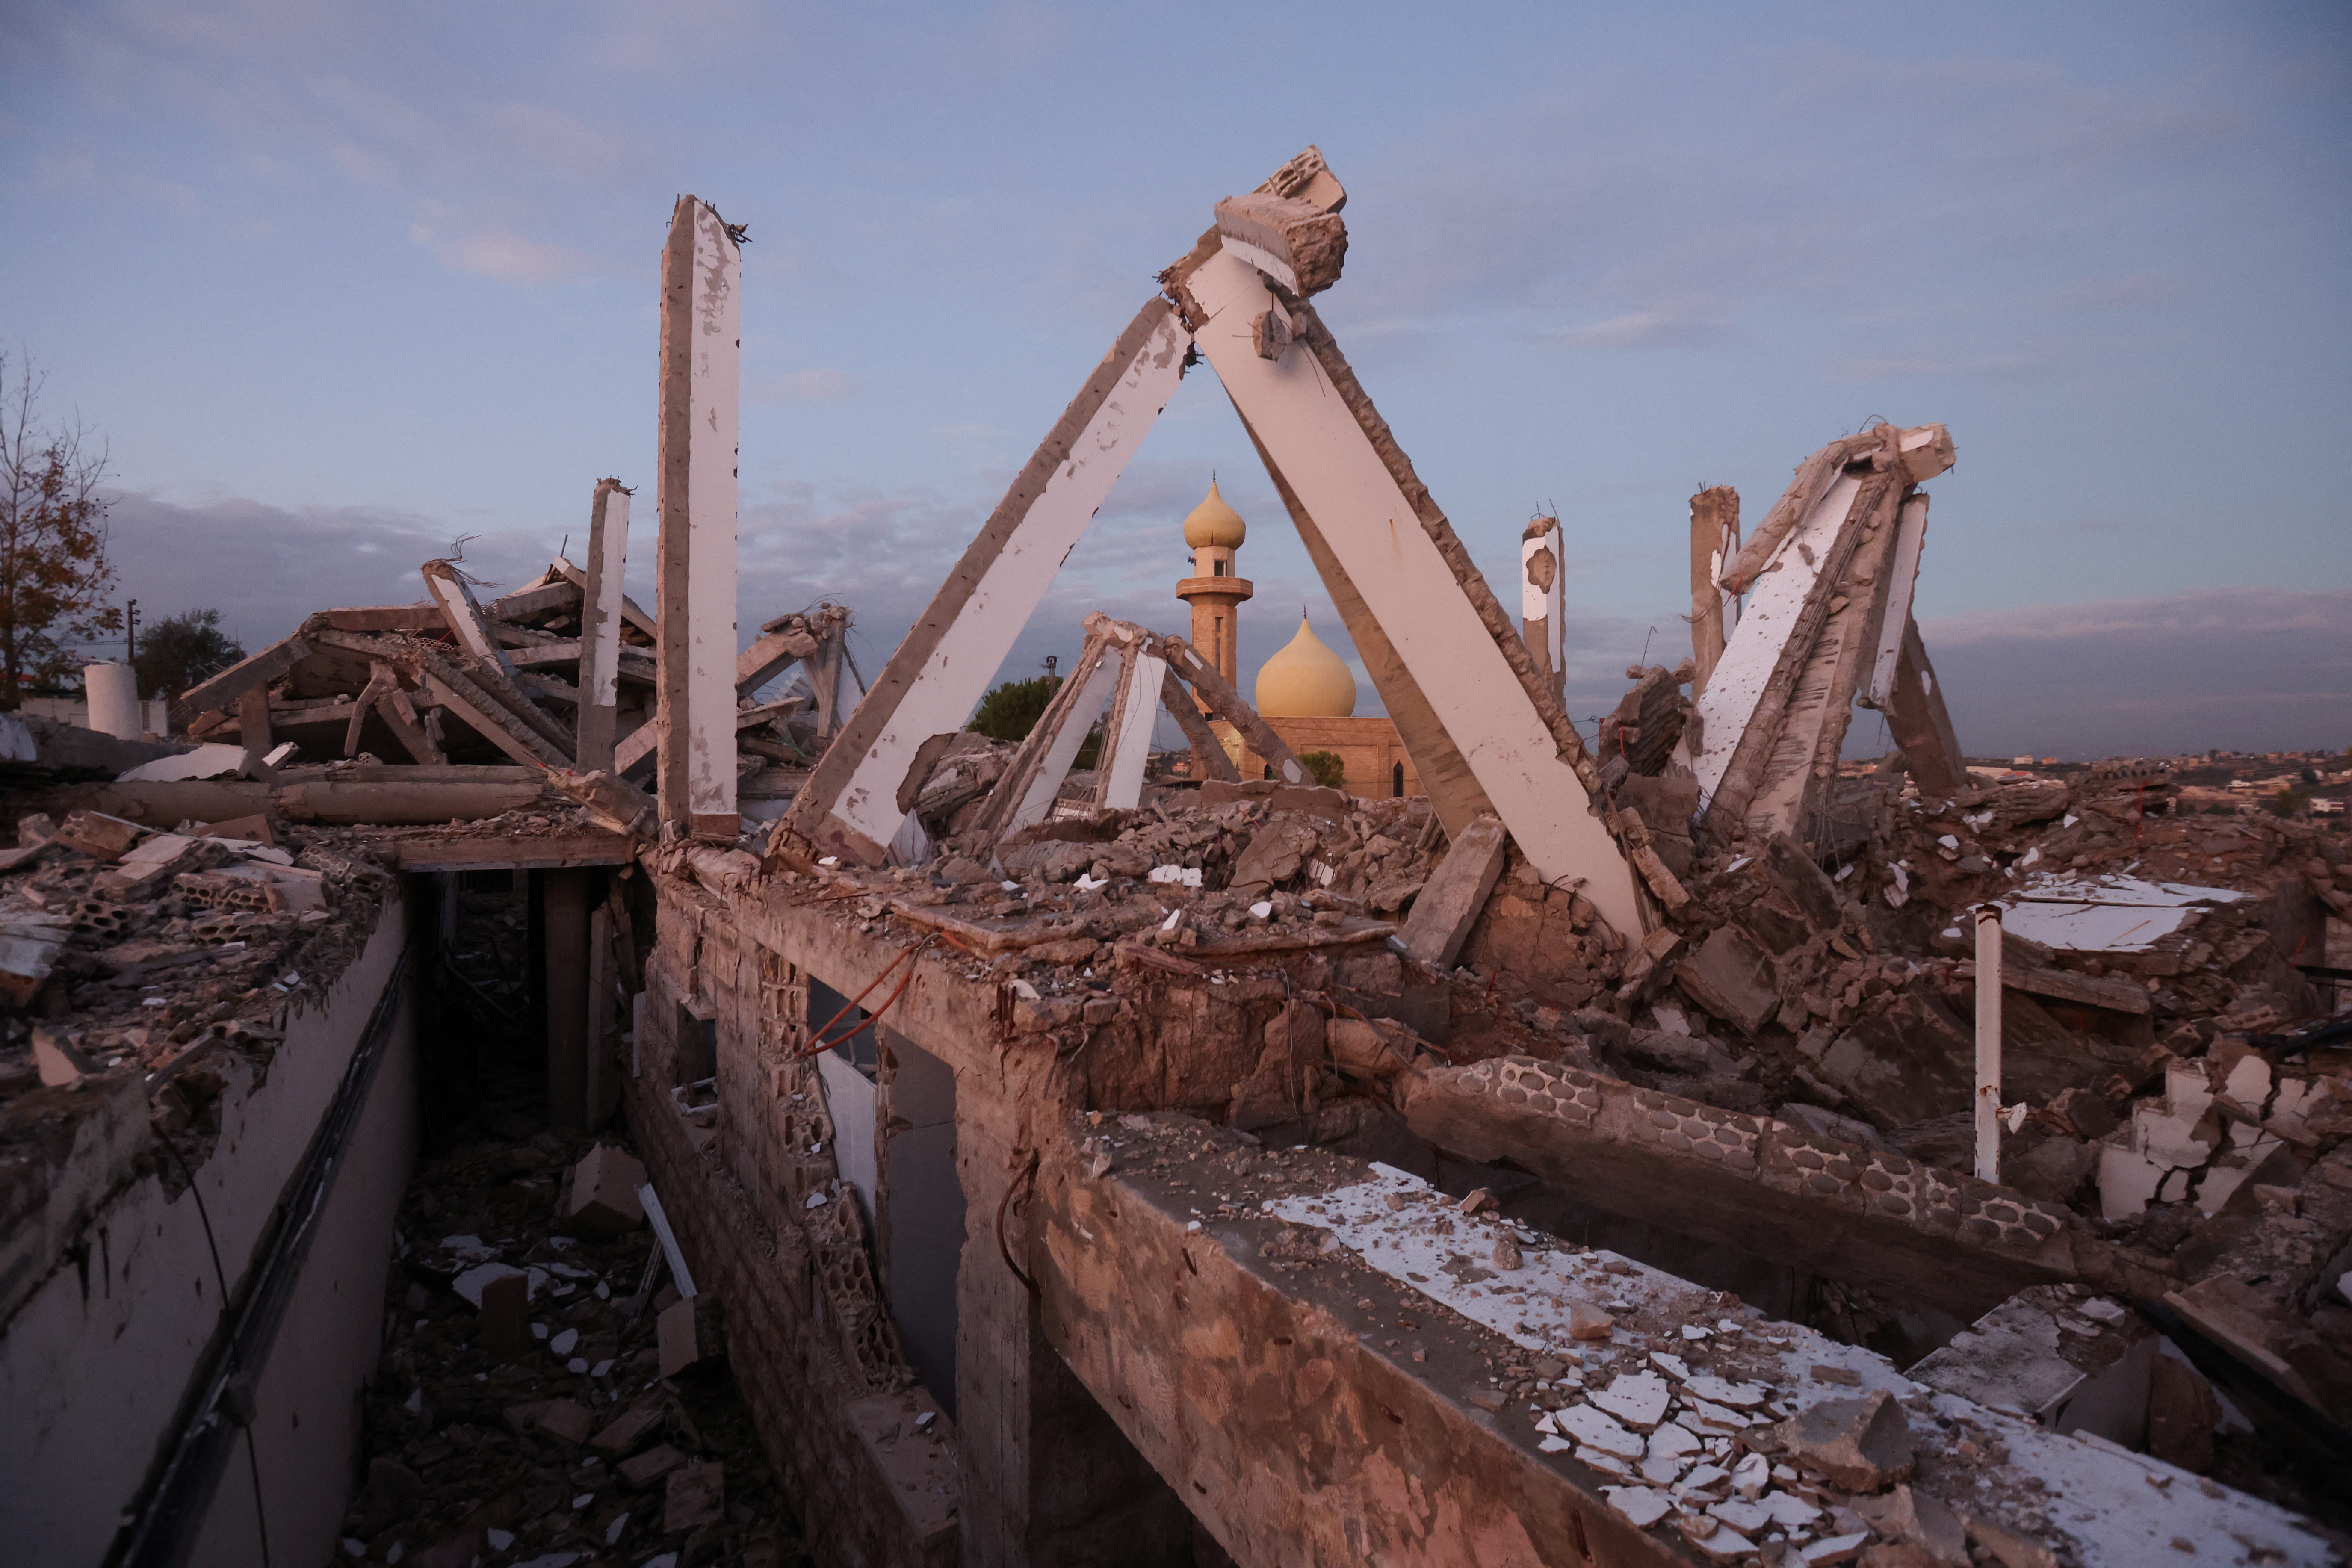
1213, 532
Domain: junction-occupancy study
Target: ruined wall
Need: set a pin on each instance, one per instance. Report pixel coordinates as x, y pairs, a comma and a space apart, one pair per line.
736, 1192
1038, 1472
95, 1364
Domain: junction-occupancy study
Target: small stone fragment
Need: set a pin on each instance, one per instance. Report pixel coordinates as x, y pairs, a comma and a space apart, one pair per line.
696, 1495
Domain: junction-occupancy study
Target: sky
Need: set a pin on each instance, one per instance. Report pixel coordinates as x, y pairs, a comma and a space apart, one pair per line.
338, 285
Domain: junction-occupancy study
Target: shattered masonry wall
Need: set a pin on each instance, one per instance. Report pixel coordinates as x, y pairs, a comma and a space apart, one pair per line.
734, 1191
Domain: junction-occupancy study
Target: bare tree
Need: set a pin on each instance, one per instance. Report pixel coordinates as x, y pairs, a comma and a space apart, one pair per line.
54, 575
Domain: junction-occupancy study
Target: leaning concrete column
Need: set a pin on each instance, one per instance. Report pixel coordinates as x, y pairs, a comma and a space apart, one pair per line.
701, 353
1987, 1102
600, 625
1713, 540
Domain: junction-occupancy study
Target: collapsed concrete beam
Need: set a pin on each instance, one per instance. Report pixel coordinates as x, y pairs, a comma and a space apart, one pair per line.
217, 693
630, 611
701, 373
1921, 725
1126, 732
559, 595
1894, 618
850, 804
1333, 455
1766, 1187
1774, 711
1032, 780
1208, 756
1223, 701
446, 686
424, 617
465, 618
1455, 895
600, 625
770, 656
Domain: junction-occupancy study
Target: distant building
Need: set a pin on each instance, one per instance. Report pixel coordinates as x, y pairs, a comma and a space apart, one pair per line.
1305, 693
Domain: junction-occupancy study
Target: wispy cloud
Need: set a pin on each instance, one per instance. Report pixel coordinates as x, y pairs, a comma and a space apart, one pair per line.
501, 256
1660, 327
1931, 367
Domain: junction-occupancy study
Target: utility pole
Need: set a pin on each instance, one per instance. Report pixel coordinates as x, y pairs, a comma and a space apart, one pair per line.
130, 633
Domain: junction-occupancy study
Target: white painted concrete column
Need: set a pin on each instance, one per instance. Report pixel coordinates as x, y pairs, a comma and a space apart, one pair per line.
113, 693
1988, 1103
1902, 577
701, 374
600, 625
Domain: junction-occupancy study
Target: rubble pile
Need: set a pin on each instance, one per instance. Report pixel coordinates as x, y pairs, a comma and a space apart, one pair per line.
544, 1398
451, 678
124, 947
2169, 1067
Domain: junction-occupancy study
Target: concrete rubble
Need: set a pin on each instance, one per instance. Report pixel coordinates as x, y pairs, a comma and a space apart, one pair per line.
933, 1151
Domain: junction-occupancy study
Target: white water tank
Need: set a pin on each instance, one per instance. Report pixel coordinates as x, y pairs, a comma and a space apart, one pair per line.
113, 693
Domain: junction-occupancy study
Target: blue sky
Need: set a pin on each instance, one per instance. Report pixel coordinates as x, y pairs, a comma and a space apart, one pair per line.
339, 283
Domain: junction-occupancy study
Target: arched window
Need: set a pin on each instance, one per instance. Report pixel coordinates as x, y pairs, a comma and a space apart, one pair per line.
1396, 780
1269, 769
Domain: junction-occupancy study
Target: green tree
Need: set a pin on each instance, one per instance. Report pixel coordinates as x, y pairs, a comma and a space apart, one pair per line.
2288, 802
1011, 711
54, 575
180, 650
1329, 768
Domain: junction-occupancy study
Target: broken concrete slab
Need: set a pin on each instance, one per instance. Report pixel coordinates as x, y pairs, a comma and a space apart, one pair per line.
1731, 977
1862, 1445
690, 1333
601, 1194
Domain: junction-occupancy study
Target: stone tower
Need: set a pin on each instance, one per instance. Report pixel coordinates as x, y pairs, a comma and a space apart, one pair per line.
1213, 532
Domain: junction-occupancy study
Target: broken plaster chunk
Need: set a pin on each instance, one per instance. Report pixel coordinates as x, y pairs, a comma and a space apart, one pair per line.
1673, 1440
1715, 1540
1644, 1505
1833, 1551
1639, 1399
1733, 1395
1595, 1429
468, 1285
1751, 1476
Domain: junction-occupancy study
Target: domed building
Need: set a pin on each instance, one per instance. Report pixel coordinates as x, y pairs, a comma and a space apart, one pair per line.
1305, 680
1306, 692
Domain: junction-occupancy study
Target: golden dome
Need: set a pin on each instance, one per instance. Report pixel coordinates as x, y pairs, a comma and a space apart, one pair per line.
1212, 522
1305, 681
